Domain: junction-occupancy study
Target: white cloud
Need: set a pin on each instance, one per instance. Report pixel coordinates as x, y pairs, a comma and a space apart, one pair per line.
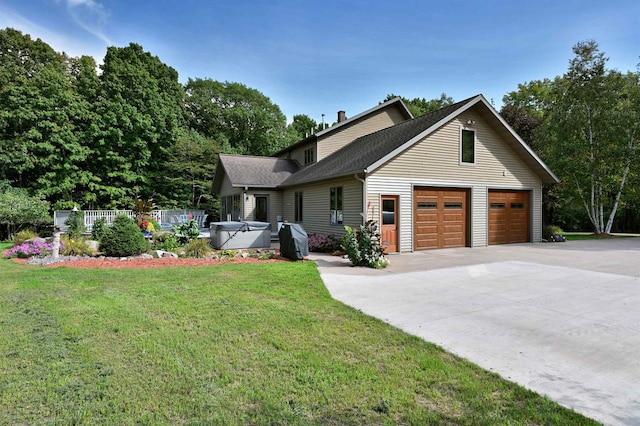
59, 42
90, 16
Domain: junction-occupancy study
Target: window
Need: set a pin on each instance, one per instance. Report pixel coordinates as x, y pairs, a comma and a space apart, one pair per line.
335, 205
452, 205
308, 156
428, 205
517, 206
468, 146
298, 212
230, 207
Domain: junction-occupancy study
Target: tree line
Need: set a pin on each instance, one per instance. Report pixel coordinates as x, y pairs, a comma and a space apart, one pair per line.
73, 133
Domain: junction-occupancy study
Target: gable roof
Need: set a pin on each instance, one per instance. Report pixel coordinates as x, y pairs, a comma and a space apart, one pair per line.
369, 152
397, 102
256, 172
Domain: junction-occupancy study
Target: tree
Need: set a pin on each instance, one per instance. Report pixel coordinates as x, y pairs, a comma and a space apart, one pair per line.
189, 169
18, 209
141, 111
246, 118
302, 126
421, 106
40, 147
592, 133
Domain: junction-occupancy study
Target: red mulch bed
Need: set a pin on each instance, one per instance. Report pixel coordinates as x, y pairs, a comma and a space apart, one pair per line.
165, 262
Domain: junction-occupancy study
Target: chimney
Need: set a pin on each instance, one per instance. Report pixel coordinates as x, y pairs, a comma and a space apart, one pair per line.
341, 116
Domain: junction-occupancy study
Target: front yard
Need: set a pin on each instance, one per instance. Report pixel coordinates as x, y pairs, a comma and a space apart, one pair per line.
232, 344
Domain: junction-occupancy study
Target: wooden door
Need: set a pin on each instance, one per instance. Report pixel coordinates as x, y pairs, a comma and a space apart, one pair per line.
509, 217
390, 223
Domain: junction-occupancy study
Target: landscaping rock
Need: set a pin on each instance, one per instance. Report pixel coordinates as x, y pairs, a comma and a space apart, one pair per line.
146, 256
162, 253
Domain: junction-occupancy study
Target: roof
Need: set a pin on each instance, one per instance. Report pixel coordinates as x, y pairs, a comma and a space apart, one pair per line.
357, 156
256, 172
369, 152
397, 101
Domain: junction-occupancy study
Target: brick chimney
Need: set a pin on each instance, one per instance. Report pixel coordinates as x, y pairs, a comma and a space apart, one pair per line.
342, 115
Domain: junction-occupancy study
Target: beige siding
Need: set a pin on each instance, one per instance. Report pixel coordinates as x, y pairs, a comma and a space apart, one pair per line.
316, 209
298, 153
434, 161
274, 205
377, 121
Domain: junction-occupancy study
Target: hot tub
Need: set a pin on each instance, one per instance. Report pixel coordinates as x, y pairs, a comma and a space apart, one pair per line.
239, 235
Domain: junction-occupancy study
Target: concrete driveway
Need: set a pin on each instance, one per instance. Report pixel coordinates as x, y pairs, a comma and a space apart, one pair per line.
562, 319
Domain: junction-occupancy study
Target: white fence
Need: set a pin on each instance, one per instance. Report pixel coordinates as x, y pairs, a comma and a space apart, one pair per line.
166, 218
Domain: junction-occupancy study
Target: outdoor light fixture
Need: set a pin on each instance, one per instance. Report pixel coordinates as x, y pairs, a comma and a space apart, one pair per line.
470, 122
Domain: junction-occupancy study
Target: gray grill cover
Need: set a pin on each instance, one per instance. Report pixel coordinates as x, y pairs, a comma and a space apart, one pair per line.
294, 243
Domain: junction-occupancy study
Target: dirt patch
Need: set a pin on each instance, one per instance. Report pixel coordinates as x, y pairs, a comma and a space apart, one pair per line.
141, 263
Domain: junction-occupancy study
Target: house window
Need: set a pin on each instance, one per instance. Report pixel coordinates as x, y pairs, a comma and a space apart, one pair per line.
335, 205
468, 146
230, 207
308, 156
298, 212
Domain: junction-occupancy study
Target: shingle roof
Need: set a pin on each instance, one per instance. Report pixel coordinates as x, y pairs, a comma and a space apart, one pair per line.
263, 172
366, 150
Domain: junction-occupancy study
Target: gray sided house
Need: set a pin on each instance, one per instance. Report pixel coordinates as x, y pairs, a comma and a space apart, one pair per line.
456, 177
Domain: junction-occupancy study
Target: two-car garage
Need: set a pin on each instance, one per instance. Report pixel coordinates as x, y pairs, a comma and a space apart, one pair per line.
442, 217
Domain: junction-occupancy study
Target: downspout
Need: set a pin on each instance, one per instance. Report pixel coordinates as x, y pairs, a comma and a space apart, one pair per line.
364, 195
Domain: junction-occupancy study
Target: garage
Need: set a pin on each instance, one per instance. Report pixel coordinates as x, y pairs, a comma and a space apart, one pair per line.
509, 217
440, 218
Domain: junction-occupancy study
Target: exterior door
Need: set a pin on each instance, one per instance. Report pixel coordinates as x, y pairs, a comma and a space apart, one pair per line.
390, 223
262, 208
440, 218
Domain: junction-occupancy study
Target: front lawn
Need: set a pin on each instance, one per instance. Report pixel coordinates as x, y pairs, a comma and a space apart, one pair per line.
233, 344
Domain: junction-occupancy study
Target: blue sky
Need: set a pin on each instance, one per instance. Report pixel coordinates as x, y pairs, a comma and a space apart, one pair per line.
313, 57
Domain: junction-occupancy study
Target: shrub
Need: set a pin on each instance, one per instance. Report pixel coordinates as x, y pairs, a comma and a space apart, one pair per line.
363, 246
324, 243
551, 231
164, 241
75, 224
187, 231
23, 236
18, 209
100, 229
227, 253
198, 247
35, 248
75, 246
123, 239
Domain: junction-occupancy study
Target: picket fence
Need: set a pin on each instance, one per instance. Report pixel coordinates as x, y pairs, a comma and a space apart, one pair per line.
166, 218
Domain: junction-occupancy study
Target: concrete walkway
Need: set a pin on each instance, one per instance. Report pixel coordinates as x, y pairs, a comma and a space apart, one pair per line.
561, 319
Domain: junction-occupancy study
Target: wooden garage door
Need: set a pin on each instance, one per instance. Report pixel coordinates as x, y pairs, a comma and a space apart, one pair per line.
508, 217
440, 218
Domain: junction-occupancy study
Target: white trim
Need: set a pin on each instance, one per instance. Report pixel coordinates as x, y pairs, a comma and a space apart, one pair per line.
457, 112
421, 135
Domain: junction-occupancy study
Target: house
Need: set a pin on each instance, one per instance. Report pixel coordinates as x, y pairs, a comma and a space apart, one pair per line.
456, 177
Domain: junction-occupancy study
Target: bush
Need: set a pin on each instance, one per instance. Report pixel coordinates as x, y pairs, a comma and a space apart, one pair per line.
551, 231
100, 229
123, 239
325, 243
75, 224
198, 247
18, 209
363, 246
187, 231
23, 236
35, 248
164, 241
75, 246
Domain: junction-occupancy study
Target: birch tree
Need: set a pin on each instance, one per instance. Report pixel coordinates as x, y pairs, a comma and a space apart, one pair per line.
593, 129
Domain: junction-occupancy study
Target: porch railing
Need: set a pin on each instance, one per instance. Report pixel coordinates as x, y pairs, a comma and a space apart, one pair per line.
166, 218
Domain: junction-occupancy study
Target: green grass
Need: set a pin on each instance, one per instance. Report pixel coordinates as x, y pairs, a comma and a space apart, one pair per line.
580, 236
234, 344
